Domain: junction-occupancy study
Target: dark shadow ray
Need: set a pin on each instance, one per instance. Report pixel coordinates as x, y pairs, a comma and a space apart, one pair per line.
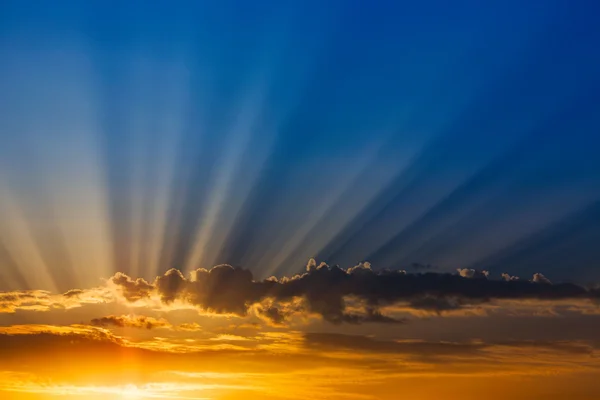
515, 174
401, 202
11, 277
116, 147
565, 250
42, 223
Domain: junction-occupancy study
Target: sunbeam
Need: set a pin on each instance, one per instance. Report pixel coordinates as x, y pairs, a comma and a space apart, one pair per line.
289, 200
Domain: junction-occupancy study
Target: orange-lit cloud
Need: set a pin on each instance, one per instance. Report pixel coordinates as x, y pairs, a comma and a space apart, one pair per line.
220, 334
275, 364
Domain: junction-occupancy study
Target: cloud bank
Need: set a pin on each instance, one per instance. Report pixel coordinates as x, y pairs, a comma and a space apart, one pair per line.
327, 291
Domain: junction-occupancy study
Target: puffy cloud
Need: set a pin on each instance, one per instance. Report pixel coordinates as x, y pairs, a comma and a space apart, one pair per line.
131, 289
312, 264
472, 273
357, 295
363, 266
539, 278
130, 321
222, 289
170, 285
508, 277
325, 290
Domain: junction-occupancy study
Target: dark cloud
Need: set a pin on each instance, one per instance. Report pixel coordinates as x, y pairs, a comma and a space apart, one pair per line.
125, 321
436, 304
359, 343
222, 289
326, 290
419, 266
19, 345
371, 314
132, 289
540, 278
100, 347
272, 314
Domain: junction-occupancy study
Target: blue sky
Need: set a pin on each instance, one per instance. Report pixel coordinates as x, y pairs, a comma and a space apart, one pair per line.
139, 136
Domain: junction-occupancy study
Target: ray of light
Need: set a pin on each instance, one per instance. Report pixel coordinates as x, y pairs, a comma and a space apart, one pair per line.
223, 180
505, 187
49, 139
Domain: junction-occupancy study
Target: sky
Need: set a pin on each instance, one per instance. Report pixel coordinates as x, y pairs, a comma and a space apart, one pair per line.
339, 199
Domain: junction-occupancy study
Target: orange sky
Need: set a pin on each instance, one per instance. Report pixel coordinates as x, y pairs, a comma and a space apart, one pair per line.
125, 340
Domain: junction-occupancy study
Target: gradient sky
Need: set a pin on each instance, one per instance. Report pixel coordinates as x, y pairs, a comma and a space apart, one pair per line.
431, 136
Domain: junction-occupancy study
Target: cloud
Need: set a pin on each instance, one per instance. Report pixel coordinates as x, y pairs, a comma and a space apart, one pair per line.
436, 304
472, 273
508, 277
17, 341
35, 300
360, 343
224, 337
42, 300
539, 278
222, 289
372, 315
130, 321
271, 314
131, 289
357, 295
325, 290
421, 349
73, 293
284, 353
189, 327
32, 340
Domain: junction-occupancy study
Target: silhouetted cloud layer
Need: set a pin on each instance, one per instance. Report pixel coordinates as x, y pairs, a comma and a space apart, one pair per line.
21, 341
327, 290
424, 350
125, 321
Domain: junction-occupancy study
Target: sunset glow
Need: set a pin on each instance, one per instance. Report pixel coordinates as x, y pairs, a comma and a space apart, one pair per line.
291, 200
